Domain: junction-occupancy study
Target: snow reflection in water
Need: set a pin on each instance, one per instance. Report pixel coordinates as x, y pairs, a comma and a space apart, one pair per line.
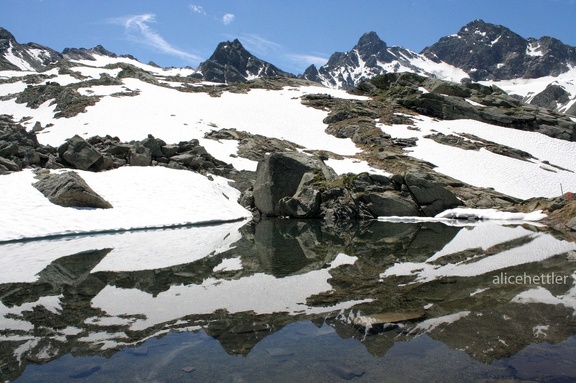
298, 299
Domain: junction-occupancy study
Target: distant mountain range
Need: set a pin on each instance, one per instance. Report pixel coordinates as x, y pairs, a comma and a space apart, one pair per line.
480, 51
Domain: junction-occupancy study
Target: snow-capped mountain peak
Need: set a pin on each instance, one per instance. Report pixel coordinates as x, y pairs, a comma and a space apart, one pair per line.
31, 56
370, 57
493, 52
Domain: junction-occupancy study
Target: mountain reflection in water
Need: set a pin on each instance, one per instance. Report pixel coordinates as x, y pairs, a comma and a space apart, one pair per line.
298, 299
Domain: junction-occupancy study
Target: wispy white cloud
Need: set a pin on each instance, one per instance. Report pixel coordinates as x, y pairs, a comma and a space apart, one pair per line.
259, 44
263, 47
307, 59
137, 29
228, 18
197, 9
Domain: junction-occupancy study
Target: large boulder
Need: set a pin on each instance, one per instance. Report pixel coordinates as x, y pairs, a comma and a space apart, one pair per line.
78, 153
70, 190
431, 194
390, 203
279, 175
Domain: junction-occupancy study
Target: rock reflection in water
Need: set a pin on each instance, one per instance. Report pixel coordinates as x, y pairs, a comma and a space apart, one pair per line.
343, 278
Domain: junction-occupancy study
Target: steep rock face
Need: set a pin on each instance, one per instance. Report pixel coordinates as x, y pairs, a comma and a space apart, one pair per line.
369, 57
31, 56
232, 63
493, 52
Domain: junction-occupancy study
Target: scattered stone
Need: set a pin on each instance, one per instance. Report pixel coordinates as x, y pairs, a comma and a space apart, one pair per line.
139, 155
70, 190
9, 165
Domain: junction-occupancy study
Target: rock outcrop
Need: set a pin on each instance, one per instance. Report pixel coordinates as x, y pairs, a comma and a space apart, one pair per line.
451, 101
20, 149
300, 186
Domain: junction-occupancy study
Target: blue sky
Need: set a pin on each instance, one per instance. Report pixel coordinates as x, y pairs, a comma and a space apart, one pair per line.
290, 34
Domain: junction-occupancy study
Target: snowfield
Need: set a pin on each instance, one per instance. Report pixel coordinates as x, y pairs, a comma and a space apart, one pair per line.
521, 179
142, 197
159, 197
528, 88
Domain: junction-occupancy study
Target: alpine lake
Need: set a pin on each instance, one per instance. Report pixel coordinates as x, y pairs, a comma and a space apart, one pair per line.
292, 300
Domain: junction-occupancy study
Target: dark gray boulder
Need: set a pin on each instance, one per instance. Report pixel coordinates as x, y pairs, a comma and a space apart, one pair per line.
70, 190
279, 175
8, 165
78, 153
430, 193
139, 155
390, 203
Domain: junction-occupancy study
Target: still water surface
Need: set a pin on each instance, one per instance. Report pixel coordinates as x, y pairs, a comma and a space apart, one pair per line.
288, 301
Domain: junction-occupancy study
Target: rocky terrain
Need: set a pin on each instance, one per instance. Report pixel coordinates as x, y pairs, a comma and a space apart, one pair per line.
493, 52
312, 189
330, 214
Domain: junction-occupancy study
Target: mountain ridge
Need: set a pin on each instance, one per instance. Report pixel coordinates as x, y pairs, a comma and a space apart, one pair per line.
479, 51
493, 52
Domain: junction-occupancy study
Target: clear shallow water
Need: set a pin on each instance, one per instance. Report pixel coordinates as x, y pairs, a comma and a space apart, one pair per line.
294, 306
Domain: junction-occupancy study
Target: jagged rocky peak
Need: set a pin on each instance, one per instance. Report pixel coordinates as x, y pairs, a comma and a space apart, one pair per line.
232, 63
31, 56
483, 50
86, 54
370, 44
311, 74
493, 52
5, 36
370, 57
